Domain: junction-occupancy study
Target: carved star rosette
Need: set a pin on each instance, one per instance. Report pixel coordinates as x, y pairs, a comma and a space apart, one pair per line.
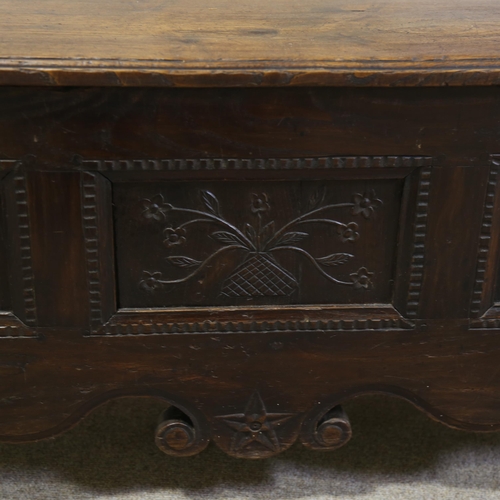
255, 433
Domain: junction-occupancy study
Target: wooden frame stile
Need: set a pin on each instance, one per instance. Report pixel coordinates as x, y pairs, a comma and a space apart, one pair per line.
485, 310
20, 319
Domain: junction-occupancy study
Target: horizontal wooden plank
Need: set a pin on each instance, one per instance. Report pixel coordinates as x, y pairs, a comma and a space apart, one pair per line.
242, 43
121, 130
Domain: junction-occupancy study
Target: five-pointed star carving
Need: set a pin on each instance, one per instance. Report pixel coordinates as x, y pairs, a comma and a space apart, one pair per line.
255, 424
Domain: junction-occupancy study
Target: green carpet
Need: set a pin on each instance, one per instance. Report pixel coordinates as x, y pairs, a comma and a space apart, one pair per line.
396, 453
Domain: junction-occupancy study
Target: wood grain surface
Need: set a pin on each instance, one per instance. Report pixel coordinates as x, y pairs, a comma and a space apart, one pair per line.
243, 43
112, 197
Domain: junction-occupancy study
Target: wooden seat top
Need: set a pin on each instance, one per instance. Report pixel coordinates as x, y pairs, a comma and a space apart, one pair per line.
249, 43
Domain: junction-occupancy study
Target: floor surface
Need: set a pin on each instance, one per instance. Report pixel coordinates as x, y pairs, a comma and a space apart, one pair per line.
396, 453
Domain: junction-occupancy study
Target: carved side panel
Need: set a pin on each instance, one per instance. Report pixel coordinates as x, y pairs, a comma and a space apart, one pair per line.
229, 250
485, 303
19, 315
418, 242
99, 248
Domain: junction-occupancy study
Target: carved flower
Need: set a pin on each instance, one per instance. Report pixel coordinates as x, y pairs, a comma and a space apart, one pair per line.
173, 236
348, 232
155, 208
361, 278
365, 204
150, 281
260, 203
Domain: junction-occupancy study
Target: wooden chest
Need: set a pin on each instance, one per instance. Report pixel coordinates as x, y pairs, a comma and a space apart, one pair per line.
252, 211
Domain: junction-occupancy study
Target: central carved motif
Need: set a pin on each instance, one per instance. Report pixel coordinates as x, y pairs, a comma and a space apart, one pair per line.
255, 425
259, 274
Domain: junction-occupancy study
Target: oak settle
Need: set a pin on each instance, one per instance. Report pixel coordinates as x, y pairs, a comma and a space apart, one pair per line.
252, 211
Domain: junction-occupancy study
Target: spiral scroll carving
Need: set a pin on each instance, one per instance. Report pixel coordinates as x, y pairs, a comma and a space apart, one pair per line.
327, 431
177, 434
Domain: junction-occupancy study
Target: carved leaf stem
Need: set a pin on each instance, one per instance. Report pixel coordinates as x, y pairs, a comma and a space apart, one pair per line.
260, 274
304, 216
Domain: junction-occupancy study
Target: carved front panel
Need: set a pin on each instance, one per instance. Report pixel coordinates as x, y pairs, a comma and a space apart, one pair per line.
260, 242
193, 246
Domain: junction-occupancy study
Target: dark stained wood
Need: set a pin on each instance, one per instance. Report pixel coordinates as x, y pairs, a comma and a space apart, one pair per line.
225, 43
487, 284
253, 257
20, 314
61, 126
56, 243
97, 226
461, 197
330, 432
177, 435
442, 368
299, 262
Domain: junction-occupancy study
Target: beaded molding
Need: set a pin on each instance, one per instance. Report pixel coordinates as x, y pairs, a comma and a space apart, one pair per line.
115, 327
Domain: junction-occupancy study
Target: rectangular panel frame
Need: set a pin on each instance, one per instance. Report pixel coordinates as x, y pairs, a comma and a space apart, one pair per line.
97, 217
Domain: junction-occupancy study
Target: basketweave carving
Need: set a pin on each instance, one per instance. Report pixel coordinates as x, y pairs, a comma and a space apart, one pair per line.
260, 274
